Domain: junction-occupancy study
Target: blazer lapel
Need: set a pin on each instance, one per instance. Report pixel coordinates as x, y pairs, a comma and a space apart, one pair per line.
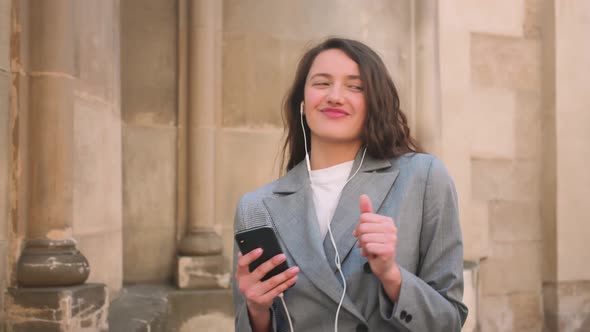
346, 216
295, 220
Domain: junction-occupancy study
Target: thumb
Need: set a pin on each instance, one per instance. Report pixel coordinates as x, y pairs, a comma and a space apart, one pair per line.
366, 206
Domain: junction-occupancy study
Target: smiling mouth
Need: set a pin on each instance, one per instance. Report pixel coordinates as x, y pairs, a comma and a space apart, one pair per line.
334, 112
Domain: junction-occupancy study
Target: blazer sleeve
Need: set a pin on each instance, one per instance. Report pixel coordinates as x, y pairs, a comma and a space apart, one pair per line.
242, 319
431, 299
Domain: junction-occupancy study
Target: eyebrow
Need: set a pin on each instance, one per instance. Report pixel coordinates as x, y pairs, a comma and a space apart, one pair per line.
326, 75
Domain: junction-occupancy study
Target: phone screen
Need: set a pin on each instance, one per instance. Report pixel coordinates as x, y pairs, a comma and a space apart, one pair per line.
265, 238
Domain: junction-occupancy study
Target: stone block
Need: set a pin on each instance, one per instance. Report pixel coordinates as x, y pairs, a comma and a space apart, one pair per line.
104, 252
202, 272
505, 62
528, 125
97, 49
500, 179
5, 147
512, 221
520, 312
140, 308
566, 305
200, 310
475, 229
247, 72
148, 62
491, 123
5, 30
470, 294
504, 17
532, 25
149, 253
149, 168
98, 175
76, 308
149, 182
512, 267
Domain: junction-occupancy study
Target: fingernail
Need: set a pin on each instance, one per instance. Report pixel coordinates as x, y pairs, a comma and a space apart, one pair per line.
257, 251
294, 269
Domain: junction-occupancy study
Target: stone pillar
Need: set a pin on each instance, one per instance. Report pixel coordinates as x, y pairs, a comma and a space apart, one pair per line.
51, 271
200, 264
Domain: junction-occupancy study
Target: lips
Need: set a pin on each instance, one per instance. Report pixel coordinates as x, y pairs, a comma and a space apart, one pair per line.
334, 113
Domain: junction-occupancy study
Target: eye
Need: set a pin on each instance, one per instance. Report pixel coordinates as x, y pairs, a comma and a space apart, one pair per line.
321, 84
356, 87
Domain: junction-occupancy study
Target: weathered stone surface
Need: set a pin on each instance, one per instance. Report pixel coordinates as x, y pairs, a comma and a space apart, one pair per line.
4, 150
505, 62
475, 229
148, 62
491, 124
515, 221
512, 312
104, 251
512, 267
97, 49
527, 121
79, 308
140, 308
566, 306
5, 21
200, 310
502, 17
202, 272
501, 179
471, 294
149, 235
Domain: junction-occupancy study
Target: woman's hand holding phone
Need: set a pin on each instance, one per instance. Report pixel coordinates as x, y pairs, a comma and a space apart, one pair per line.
260, 294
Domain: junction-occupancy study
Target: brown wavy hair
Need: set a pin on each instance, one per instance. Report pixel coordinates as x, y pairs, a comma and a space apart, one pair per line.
386, 133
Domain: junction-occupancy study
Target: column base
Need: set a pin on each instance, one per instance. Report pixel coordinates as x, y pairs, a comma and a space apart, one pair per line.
202, 272
58, 309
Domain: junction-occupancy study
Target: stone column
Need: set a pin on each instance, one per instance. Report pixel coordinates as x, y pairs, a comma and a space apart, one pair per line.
50, 257
200, 263
51, 271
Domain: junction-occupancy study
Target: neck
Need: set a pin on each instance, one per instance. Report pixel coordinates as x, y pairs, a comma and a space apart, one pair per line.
325, 154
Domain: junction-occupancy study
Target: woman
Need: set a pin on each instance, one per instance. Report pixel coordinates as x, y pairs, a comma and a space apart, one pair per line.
368, 225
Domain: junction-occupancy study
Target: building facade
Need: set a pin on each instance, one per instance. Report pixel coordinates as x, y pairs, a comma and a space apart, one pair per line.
129, 130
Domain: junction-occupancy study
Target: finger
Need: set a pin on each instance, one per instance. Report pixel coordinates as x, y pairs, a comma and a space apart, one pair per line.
366, 228
275, 281
248, 258
379, 249
365, 204
267, 266
375, 218
270, 295
375, 238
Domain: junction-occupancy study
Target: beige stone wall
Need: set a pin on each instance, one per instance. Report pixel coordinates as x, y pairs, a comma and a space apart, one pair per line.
148, 107
5, 83
491, 74
97, 141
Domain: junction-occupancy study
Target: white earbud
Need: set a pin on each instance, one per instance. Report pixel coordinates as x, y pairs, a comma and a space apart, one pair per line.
301, 108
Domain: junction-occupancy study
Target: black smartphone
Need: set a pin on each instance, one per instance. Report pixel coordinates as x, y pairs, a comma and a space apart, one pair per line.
261, 237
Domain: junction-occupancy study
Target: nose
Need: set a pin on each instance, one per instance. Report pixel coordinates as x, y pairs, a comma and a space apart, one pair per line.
335, 95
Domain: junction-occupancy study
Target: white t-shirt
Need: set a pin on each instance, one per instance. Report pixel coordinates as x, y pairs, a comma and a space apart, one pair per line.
327, 183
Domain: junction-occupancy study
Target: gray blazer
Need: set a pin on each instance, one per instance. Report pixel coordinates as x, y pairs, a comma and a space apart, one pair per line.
418, 193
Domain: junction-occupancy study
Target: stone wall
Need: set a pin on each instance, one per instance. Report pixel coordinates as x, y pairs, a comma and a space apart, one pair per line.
149, 94
98, 221
491, 73
5, 83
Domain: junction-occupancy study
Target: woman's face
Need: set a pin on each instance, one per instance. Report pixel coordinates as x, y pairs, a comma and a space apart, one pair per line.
335, 107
